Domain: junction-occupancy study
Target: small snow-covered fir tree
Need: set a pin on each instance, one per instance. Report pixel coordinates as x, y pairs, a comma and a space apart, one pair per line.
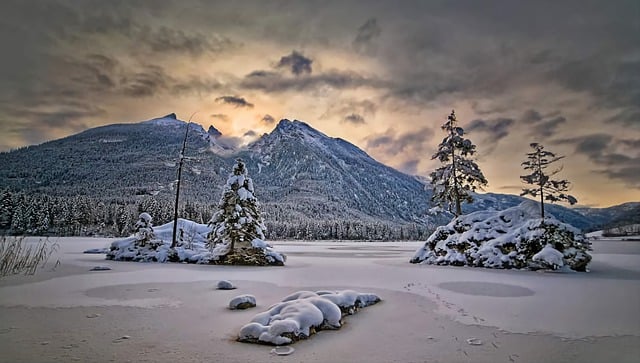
237, 222
144, 229
454, 181
544, 187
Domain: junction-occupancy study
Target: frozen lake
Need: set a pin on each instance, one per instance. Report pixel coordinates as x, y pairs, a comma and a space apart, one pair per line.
601, 304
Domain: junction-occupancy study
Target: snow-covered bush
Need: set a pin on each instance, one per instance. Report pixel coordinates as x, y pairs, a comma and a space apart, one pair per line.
301, 314
195, 250
513, 238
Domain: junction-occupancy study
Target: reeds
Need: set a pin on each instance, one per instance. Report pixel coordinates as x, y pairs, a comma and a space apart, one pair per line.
18, 256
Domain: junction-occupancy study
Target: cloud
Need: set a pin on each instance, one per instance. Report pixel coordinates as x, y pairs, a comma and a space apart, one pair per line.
268, 119
345, 106
601, 149
296, 62
250, 133
367, 33
272, 82
145, 83
354, 119
531, 116
221, 116
235, 101
496, 128
548, 128
168, 40
416, 142
594, 146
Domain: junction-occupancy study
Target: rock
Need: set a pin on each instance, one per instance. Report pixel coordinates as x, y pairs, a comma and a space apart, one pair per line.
96, 250
100, 268
91, 316
474, 341
122, 338
282, 350
225, 285
242, 302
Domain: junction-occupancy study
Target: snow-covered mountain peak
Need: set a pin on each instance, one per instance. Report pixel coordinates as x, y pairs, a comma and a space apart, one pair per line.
297, 128
168, 120
214, 132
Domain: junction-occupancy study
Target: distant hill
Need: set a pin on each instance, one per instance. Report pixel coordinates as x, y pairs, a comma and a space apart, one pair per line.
304, 178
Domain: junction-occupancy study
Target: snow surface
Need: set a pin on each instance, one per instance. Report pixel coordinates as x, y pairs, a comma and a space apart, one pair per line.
602, 303
301, 313
511, 238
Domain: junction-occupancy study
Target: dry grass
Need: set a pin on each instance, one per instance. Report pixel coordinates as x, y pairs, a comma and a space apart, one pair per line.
20, 257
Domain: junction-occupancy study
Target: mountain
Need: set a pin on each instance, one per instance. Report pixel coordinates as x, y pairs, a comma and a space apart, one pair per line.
304, 178
615, 216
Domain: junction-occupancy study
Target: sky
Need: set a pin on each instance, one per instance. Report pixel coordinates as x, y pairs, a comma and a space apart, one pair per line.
383, 75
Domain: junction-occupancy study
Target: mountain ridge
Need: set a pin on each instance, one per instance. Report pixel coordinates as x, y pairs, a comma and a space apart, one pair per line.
301, 173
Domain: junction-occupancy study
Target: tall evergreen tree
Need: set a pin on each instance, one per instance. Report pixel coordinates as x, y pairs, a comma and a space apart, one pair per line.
543, 186
454, 181
237, 221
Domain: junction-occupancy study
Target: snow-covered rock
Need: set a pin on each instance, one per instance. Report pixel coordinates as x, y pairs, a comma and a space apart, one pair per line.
301, 314
513, 238
242, 302
191, 248
225, 285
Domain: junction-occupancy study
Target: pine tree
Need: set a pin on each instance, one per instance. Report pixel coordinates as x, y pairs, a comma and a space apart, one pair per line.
545, 188
237, 221
454, 181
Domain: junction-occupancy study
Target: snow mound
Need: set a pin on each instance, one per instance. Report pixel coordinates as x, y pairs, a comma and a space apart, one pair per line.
153, 244
513, 238
225, 285
301, 314
242, 302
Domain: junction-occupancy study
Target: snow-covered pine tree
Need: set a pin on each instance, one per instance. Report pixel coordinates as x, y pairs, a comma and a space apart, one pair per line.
144, 229
454, 181
237, 221
545, 188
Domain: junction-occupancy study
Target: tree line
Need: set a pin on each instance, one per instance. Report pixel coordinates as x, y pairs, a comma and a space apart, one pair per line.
37, 214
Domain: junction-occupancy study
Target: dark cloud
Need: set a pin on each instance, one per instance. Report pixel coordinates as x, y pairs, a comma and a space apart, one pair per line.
495, 128
354, 119
296, 62
345, 106
626, 117
531, 116
367, 33
416, 142
250, 133
234, 101
268, 119
334, 79
145, 83
168, 40
629, 174
261, 73
38, 124
221, 117
196, 85
594, 146
601, 150
548, 128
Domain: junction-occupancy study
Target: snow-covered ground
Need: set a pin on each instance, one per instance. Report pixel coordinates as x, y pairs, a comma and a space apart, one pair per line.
174, 312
